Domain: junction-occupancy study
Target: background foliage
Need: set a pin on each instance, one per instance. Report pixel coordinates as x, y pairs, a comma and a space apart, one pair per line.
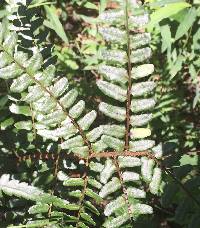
69, 29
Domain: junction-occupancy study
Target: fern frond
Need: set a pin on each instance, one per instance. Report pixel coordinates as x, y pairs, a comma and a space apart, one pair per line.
49, 97
57, 115
125, 65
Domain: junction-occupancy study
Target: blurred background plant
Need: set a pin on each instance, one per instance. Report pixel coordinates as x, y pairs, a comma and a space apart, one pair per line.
70, 29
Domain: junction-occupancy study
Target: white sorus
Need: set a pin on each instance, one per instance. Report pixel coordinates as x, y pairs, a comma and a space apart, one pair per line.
69, 99
129, 162
10, 71
113, 143
142, 71
26, 125
66, 131
38, 208
110, 187
114, 205
45, 104
112, 111
107, 172
140, 120
130, 176
87, 120
4, 58
142, 104
96, 167
99, 146
111, 90
46, 76
73, 142
34, 94
21, 83
82, 151
139, 40
53, 118
62, 176
158, 150
136, 193
34, 63
95, 134
77, 109
140, 133
10, 41
147, 168
117, 131
114, 74
113, 34
141, 209
111, 16
142, 88
155, 182
141, 145
115, 56
66, 121
48, 134
117, 222
140, 55
138, 21
59, 87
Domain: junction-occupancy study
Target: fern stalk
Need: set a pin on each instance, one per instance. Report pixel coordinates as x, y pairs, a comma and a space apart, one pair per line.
128, 104
125, 194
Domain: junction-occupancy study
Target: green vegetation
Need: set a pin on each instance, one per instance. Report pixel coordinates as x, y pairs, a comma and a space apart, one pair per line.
99, 113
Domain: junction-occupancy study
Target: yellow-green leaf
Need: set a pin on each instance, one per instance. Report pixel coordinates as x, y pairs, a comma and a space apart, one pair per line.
166, 12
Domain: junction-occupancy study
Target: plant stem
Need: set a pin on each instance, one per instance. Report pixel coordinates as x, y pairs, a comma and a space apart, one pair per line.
128, 104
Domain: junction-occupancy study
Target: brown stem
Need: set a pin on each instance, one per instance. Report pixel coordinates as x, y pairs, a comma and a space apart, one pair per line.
55, 173
114, 154
85, 176
125, 195
128, 104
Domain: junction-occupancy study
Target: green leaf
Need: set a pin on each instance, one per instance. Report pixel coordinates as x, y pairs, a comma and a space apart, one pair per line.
155, 4
39, 3
38, 208
14, 187
177, 66
6, 123
90, 5
189, 159
112, 111
23, 110
196, 39
92, 194
186, 24
112, 90
165, 12
90, 207
26, 125
87, 218
166, 37
74, 182
55, 23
